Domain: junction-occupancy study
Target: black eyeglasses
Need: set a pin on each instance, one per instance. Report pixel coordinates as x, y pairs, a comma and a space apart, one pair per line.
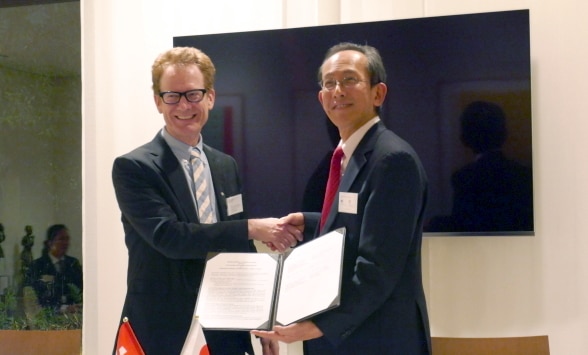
173, 97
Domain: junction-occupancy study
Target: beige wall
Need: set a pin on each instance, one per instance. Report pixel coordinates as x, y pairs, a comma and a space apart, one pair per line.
483, 286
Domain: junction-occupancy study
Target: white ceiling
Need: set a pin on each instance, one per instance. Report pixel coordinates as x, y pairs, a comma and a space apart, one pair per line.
42, 39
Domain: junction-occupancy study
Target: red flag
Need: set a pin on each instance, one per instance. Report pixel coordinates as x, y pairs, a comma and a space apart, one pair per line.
195, 343
127, 343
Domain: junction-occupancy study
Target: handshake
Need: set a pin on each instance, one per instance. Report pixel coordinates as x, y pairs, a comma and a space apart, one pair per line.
278, 234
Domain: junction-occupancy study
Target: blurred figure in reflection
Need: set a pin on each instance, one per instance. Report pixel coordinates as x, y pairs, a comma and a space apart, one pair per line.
26, 256
314, 193
57, 277
492, 193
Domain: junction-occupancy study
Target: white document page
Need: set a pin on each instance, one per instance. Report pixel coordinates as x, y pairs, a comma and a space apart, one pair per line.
237, 291
311, 278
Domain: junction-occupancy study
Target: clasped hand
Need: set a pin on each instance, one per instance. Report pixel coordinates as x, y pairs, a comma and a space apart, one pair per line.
294, 223
278, 234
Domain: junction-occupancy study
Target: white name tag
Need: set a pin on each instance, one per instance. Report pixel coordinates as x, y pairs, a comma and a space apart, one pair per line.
234, 205
348, 202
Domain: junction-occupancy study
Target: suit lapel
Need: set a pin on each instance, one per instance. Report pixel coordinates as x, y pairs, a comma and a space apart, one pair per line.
356, 163
360, 156
166, 161
216, 170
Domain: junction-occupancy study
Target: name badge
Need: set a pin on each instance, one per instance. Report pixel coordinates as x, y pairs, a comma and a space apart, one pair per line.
348, 202
234, 204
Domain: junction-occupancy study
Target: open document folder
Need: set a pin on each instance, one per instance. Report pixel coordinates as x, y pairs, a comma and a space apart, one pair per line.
244, 291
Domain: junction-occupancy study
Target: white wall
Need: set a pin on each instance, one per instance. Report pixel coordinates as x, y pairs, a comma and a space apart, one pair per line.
483, 286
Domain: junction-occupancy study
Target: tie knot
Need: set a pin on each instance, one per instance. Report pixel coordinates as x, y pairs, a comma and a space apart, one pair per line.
195, 153
338, 154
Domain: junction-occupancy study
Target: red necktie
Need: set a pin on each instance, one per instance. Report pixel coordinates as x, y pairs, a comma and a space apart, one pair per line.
332, 183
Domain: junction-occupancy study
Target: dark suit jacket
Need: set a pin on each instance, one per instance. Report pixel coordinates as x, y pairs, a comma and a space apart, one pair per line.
314, 192
167, 246
383, 309
67, 286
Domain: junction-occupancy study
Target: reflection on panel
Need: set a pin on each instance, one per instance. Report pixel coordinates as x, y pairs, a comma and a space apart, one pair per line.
436, 67
40, 167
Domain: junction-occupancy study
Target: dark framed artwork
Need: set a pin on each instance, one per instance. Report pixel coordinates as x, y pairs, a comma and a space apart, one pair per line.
224, 129
436, 67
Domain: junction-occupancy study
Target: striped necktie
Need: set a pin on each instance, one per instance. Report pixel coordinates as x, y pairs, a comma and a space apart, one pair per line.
205, 213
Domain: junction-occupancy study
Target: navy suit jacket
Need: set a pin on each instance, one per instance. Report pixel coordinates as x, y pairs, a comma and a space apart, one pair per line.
167, 246
383, 308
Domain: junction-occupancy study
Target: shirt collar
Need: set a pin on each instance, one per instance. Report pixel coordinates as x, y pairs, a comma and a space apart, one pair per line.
180, 149
54, 260
352, 142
